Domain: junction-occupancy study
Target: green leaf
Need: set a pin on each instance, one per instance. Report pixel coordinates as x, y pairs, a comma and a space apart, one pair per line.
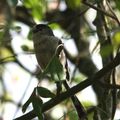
117, 4
116, 39
25, 47
6, 55
37, 7
37, 106
1, 35
90, 116
73, 4
25, 106
30, 35
73, 115
43, 92
16, 28
37, 12
28, 101
55, 69
106, 50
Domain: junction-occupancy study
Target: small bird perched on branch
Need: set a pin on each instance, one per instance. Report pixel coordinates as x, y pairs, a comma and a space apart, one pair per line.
46, 45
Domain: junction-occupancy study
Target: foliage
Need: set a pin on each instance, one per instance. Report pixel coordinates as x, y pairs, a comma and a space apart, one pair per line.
71, 18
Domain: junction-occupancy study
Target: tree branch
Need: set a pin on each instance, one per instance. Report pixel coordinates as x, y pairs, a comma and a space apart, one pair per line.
99, 9
82, 85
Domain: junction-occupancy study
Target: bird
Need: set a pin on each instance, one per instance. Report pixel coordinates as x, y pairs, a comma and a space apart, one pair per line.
45, 46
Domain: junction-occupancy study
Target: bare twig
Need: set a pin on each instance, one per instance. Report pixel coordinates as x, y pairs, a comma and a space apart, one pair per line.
99, 9
113, 13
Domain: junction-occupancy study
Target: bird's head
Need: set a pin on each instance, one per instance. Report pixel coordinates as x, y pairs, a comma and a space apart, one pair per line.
42, 29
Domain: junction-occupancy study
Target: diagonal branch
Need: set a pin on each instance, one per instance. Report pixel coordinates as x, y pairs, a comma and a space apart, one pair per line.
72, 91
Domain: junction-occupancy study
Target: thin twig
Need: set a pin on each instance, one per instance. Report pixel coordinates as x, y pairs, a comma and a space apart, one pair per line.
113, 13
6, 59
99, 9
